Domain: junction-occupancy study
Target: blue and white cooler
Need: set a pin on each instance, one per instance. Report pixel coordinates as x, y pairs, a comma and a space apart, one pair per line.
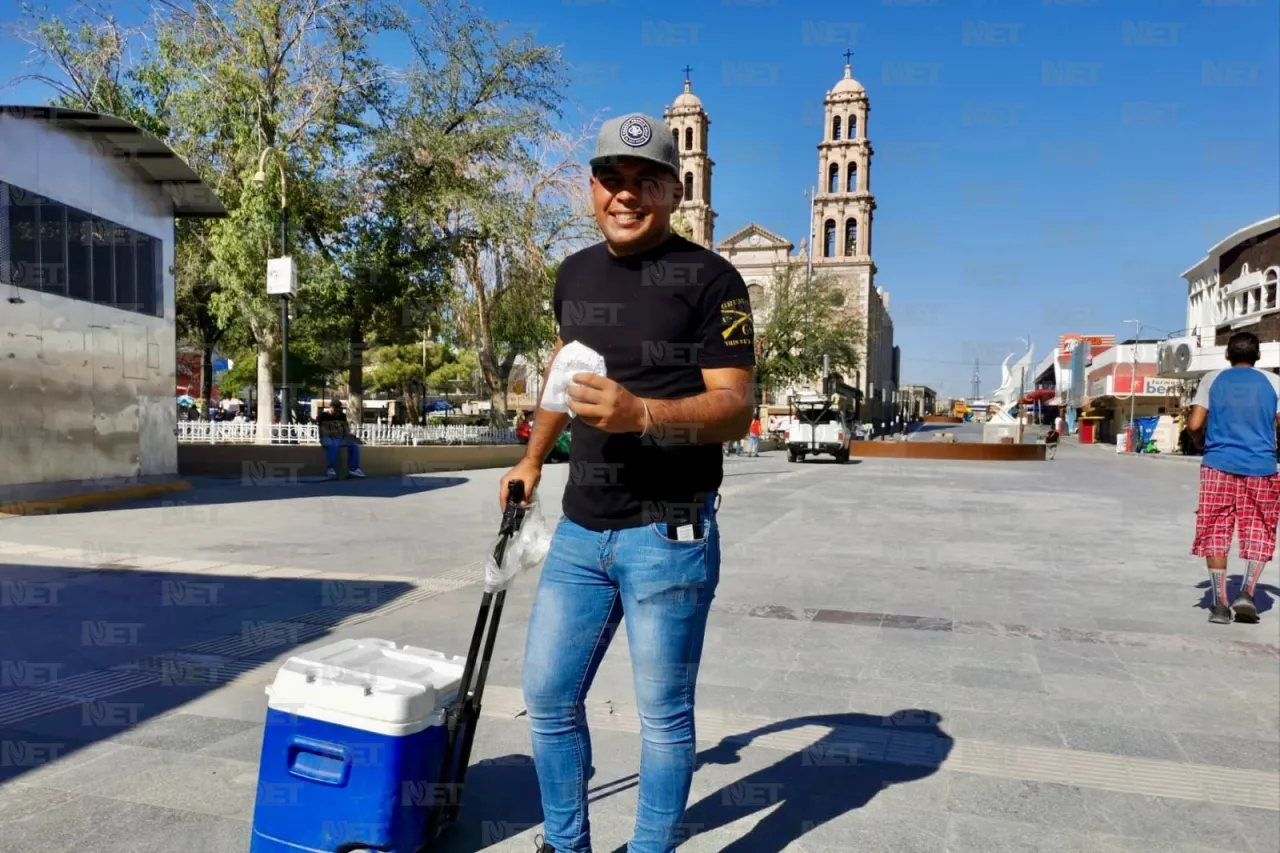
354, 742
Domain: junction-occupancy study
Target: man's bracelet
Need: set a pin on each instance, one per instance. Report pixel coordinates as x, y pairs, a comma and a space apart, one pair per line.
645, 429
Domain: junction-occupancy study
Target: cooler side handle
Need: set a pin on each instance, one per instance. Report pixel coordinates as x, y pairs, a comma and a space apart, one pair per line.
319, 761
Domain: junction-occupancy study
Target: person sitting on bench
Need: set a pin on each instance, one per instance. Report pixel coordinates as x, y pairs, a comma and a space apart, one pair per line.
334, 434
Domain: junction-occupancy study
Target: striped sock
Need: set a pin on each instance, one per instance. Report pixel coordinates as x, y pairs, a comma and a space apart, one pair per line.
1218, 580
1252, 574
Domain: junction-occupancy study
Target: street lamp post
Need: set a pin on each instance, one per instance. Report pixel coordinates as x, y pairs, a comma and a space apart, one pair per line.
260, 179
1133, 378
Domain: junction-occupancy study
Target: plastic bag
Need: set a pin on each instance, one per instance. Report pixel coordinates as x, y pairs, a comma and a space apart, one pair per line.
573, 358
526, 550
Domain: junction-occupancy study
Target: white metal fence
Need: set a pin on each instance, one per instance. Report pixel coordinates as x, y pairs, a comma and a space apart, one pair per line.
233, 432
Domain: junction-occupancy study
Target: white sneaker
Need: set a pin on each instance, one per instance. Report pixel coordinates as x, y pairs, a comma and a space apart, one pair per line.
357, 473
332, 474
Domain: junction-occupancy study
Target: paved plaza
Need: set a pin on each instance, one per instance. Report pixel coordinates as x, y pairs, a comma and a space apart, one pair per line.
904, 657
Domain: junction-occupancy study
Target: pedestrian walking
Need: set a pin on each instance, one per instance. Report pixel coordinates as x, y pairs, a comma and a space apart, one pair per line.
753, 438
1239, 484
1051, 443
639, 535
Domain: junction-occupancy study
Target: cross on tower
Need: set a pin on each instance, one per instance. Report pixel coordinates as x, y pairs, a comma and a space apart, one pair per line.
848, 57
687, 69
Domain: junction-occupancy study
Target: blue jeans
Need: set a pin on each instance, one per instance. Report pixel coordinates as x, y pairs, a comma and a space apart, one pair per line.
589, 581
331, 446
753, 444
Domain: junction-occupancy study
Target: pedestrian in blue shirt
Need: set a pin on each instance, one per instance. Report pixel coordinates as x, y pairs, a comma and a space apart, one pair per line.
1239, 485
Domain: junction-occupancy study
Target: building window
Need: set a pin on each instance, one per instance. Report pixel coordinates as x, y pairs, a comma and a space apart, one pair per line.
150, 294
850, 237
104, 263
835, 127
853, 127
829, 239
46, 245
126, 262
853, 178
676, 137
688, 139
833, 178
53, 247
79, 255
1270, 279
688, 186
24, 249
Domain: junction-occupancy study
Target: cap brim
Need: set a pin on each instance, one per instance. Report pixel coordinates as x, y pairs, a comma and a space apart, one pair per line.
613, 159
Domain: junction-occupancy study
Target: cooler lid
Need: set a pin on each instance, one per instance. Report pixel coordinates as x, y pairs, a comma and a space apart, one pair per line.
368, 679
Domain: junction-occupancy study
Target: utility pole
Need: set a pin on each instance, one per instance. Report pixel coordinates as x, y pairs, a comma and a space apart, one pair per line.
976, 389
1133, 374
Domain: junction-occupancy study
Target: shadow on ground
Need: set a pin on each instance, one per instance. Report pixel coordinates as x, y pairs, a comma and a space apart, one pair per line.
1264, 594
861, 755
212, 491
88, 655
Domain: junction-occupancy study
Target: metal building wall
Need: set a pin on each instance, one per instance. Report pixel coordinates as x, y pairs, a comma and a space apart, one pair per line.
86, 391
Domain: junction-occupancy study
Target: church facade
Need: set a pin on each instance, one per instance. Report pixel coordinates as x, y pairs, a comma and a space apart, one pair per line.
839, 240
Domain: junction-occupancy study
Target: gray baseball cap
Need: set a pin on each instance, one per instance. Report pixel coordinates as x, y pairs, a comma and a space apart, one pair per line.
637, 136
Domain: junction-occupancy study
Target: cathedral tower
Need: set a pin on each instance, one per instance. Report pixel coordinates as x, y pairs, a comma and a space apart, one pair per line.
689, 123
842, 208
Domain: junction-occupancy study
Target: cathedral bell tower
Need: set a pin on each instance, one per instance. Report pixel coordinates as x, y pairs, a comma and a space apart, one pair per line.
689, 123
843, 205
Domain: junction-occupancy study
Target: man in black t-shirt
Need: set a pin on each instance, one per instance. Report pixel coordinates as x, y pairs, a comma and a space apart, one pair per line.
335, 433
673, 323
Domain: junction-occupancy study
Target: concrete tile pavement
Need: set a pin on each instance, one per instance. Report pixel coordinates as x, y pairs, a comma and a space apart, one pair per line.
946, 657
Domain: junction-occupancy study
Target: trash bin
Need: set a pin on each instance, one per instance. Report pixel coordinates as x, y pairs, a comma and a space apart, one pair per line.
1122, 440
354, 743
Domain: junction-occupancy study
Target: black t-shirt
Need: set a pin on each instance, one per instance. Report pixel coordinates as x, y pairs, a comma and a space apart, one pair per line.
658, 318
331, 425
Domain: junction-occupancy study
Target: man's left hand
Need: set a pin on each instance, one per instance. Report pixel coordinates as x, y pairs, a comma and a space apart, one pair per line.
604, 404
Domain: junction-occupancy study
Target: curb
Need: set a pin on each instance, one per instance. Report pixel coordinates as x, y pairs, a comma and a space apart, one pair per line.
52, 506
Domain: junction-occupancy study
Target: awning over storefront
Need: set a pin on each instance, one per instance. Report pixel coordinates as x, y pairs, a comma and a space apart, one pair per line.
1039, 396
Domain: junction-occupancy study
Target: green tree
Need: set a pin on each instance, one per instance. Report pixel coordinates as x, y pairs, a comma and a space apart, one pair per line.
412, 371
802, 321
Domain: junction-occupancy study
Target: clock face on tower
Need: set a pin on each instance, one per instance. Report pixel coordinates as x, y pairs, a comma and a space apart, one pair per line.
755, 239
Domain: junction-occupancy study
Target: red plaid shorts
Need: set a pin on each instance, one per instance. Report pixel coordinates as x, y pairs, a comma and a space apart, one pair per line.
1228, 500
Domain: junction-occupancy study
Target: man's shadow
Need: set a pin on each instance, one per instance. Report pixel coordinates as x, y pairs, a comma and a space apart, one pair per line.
1264, 595
858, 756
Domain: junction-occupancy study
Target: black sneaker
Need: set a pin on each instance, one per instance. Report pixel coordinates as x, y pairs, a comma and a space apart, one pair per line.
1220, 613
541, 846
1246, 610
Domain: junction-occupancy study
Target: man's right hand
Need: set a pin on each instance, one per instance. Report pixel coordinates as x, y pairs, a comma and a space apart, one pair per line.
527, 471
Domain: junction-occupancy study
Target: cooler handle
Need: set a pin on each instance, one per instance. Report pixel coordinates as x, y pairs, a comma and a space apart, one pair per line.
319, 761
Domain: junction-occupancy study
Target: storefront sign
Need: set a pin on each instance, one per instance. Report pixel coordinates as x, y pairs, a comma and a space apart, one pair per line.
1069, 342
1098, 387
1162, 387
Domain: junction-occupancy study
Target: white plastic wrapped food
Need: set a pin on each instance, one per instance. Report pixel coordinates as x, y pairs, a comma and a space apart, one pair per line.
527, 550
573, 358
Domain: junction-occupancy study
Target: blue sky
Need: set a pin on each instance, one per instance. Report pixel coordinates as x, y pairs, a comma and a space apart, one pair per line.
1042, 167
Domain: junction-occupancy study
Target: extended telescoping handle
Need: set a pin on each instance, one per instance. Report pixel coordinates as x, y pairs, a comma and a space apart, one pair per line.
462, 721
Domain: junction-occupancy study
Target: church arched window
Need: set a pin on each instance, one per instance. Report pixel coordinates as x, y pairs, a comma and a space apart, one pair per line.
853, 127
853, 178
688, 186
833, 178
676, 134
688, 139
850, 237
829, 239
835, 127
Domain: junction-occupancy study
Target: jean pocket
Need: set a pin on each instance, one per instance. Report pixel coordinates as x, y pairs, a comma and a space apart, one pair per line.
701, 538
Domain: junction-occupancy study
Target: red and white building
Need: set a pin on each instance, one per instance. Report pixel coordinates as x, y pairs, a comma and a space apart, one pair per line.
1124, 381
